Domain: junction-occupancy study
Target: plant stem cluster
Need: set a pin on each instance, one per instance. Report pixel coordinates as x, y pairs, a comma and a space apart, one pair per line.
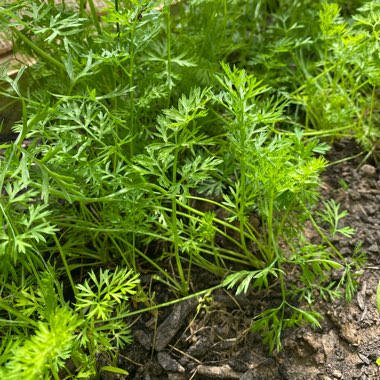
164, 136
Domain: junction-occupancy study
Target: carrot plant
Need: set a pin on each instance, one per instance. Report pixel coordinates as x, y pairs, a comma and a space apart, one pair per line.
42, 331
348, 78
147, 144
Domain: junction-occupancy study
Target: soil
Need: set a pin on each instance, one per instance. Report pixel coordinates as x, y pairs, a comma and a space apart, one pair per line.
211, 339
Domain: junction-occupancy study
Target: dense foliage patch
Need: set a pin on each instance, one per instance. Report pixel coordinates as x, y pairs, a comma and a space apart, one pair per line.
167, 135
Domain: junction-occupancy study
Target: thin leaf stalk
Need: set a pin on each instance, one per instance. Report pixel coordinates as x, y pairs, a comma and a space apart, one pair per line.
37, 49
272, 247
132, 93
176, 241
242, 208
94, 16
117, 24
284, 219
323, 236
17, 314
171, 280
256, 262
12, 227
168, 41
243, 168
169, 303
65, 263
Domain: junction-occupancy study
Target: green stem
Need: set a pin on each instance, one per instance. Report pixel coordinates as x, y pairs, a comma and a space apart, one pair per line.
12, 227
82, 5
271, 238
242, 204
169, 303
284, 219
323, 133
67, 268
232, 227
314, 79
38, 50
132, 92
323, 236
94, 15
176, 240
117, 24
176, 285
373, 97
17, 314
168, 41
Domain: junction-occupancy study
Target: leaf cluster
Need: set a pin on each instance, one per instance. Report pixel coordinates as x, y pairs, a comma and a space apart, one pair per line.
162, 136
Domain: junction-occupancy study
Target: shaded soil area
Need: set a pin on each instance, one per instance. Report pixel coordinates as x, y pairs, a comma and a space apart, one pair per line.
209, 338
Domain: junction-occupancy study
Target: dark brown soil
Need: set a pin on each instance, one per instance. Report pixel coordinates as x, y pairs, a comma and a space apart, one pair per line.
211, 339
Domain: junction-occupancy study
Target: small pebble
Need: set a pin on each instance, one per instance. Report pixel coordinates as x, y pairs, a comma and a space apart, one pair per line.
368, 170
168, 363
345, 251
238, 365
373, 248
355, 195
218, 372
371, 209
175, 376
364, 218
337, 374
364, 359
143, 339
